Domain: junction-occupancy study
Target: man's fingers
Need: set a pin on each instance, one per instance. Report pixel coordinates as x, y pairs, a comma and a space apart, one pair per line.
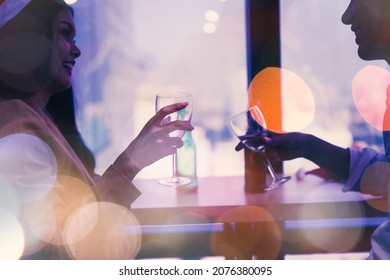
239, 147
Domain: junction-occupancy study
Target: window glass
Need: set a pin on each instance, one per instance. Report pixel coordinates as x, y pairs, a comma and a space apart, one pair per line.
322, 51
132, 49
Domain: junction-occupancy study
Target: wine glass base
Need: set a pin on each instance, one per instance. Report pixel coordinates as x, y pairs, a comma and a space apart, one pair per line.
175, 181
277, 183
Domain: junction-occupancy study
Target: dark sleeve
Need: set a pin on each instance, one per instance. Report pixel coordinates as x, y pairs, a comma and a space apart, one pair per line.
115, 187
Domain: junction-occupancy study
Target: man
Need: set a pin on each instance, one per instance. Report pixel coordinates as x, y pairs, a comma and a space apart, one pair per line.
359, 170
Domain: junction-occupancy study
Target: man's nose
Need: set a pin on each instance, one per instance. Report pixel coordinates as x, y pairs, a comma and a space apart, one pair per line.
346, 18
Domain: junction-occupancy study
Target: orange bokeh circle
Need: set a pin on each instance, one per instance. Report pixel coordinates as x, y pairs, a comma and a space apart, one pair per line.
369, 95
249, 232
284, 98
375, 181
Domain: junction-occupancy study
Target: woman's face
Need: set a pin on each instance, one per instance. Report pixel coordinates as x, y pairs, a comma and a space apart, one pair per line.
64, 52
370, 21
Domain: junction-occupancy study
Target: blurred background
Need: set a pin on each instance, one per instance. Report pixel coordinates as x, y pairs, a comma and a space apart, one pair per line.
132, 49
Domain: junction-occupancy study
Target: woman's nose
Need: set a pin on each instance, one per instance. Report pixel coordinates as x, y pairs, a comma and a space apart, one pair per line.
76, 52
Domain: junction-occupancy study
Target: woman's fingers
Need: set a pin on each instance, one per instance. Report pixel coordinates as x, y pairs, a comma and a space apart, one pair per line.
162, 121
153, 133
154, 142
176, 125
167, 110
166, 120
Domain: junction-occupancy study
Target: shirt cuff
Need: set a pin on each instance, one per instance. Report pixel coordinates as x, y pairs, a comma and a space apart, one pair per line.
359, 161
117, 188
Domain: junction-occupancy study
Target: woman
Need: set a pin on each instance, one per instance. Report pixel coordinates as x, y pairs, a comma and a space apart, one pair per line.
62, 109
37, 56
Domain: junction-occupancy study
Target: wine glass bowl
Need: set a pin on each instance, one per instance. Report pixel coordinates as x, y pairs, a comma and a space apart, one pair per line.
185, 114
250, 128
165, 99
252, 142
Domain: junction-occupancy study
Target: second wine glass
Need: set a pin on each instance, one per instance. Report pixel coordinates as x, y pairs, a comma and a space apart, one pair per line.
249, 126
162, 100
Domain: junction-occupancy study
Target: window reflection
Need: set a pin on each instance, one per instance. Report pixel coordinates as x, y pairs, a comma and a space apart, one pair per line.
132, 49
319, 48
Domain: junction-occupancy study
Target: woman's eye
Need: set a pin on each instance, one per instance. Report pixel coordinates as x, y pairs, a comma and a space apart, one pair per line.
66, 33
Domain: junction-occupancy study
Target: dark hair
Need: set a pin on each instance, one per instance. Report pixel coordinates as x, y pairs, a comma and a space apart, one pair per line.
26, 47
25, 53
61, 107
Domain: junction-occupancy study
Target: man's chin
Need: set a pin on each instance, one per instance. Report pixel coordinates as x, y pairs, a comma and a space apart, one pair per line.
368, 54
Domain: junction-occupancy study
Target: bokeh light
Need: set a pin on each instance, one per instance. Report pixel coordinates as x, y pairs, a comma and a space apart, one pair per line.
258, 116
39, 224
97, 232
65, 198
375, 181
181, 234
23, 61
70, 2
285, 100
211, 16
337, 238
11, 236
250, 232
380, 242
210, 28
43, 174
9, 197
369, 94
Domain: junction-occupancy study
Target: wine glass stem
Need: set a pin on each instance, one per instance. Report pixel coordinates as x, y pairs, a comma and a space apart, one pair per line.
270, 169
174, 165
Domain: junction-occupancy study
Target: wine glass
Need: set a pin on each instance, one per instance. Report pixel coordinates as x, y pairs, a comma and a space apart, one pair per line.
162, 100
249, 126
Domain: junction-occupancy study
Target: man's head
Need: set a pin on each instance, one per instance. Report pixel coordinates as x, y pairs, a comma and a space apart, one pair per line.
370, 21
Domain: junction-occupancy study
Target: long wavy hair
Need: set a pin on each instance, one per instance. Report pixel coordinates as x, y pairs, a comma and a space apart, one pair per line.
26, 43
62, 108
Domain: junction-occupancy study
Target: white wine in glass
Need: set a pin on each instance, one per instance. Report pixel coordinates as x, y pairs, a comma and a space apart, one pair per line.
249, 126
185, 114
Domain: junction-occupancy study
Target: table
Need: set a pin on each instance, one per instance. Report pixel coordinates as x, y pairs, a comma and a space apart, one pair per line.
303, 215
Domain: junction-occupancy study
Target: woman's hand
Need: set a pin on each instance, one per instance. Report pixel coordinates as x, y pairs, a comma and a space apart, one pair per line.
153, 142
